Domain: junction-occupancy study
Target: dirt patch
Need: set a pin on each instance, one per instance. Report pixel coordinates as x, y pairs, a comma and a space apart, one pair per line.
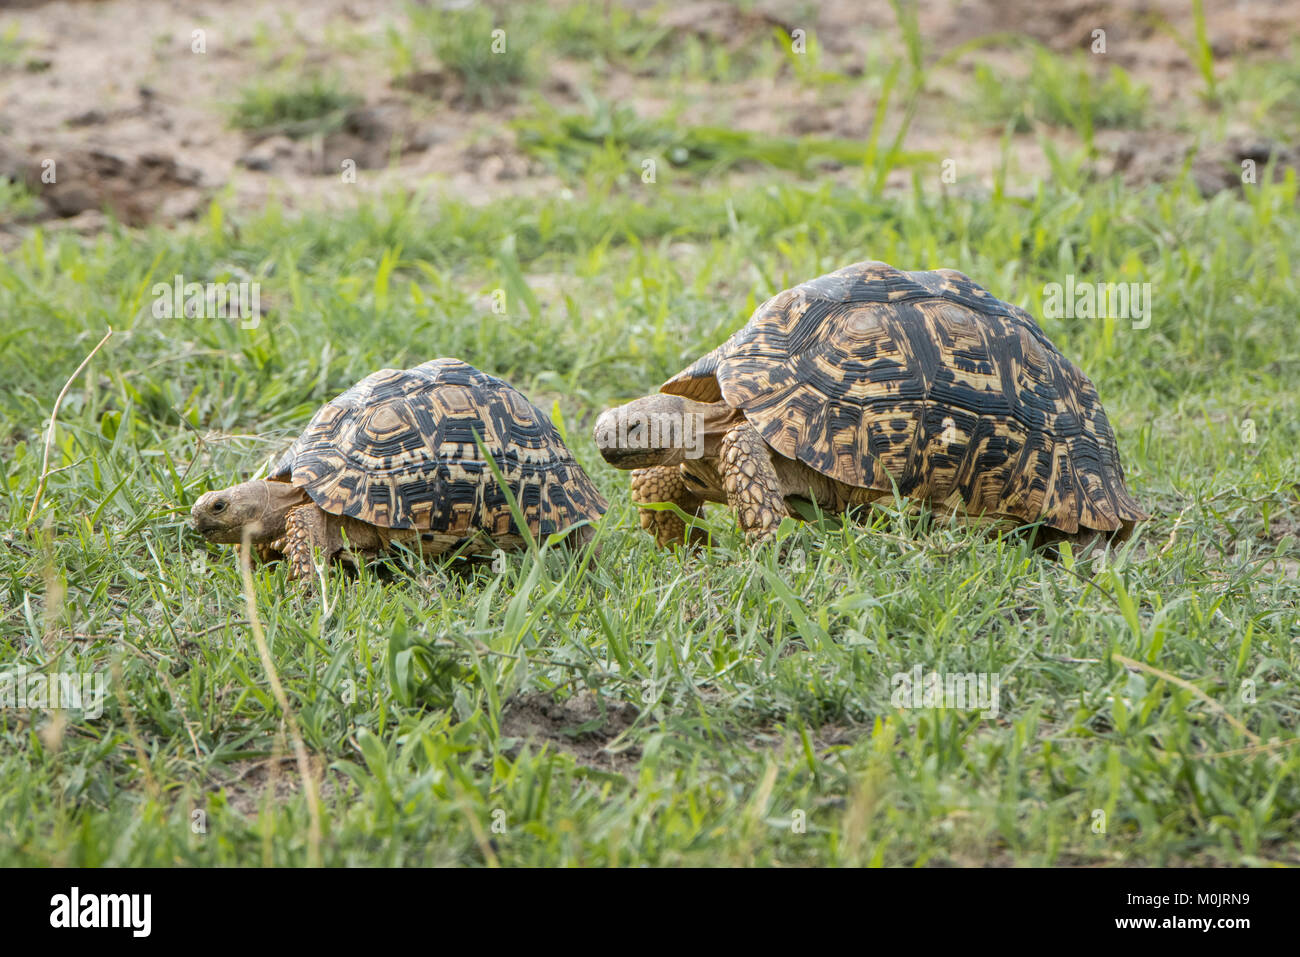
1156, 157
861, 37
1280, 527
776, 735
138, 122
582, 726
1136, 32
723, 23
100, 94
247, 783
138, 190
371, 137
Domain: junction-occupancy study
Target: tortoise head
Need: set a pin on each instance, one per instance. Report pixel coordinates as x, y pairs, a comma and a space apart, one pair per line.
256, 509
661, 429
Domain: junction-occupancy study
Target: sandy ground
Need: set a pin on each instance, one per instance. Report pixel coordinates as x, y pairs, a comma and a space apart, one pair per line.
114, 94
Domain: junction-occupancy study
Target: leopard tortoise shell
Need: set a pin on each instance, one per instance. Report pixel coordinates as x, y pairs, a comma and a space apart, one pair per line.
867, 380
395, 459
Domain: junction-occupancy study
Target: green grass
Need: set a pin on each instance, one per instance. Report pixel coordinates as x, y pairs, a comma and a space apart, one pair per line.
754, 695
16, 201
762, 689
11, 47
490, 52
611, 143
1061, 92
589, 29
1265, 95
1198, 49
297, 106
590, 33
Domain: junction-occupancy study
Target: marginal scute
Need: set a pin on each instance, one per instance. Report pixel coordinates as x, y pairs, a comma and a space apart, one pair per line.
926, 382
698, 382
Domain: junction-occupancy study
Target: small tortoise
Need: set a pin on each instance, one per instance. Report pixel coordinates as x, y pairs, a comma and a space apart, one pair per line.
394, 459
868, 380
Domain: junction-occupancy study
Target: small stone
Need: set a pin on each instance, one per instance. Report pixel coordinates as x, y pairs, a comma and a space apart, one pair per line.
88, 118
265, 155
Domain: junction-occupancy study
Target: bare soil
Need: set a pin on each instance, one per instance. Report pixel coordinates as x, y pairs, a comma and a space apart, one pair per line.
582, 726
248, 784
135, 121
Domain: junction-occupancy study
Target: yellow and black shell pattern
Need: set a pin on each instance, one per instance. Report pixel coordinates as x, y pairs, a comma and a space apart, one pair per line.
398, 450
924, 382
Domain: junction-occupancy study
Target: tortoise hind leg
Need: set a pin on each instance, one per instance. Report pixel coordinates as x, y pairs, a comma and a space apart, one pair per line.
664, 483
306, 528
753, 487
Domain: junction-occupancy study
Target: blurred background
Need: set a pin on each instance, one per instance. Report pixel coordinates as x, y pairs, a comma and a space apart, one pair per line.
153, 107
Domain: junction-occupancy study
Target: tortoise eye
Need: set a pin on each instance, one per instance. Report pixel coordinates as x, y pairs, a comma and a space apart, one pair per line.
218, 506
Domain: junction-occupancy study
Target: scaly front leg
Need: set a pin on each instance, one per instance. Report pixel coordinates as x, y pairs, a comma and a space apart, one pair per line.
753, 488
664, 483
305, 530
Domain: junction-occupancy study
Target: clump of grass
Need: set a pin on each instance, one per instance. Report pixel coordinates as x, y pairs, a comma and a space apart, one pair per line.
17, 202
587, 30
804, 54
11, 48
301, 107
616, 140
489, 55
1266, 94
1198, 50
1061, 92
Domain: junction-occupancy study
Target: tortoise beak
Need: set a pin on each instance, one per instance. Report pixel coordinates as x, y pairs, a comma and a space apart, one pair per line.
613, 447
605, 435
201, 514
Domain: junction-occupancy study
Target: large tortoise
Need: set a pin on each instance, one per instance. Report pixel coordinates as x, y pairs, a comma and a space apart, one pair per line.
394, 459
868, 380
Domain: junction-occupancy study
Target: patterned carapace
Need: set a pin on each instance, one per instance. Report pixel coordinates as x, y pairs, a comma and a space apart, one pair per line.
924, 382
398, 450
